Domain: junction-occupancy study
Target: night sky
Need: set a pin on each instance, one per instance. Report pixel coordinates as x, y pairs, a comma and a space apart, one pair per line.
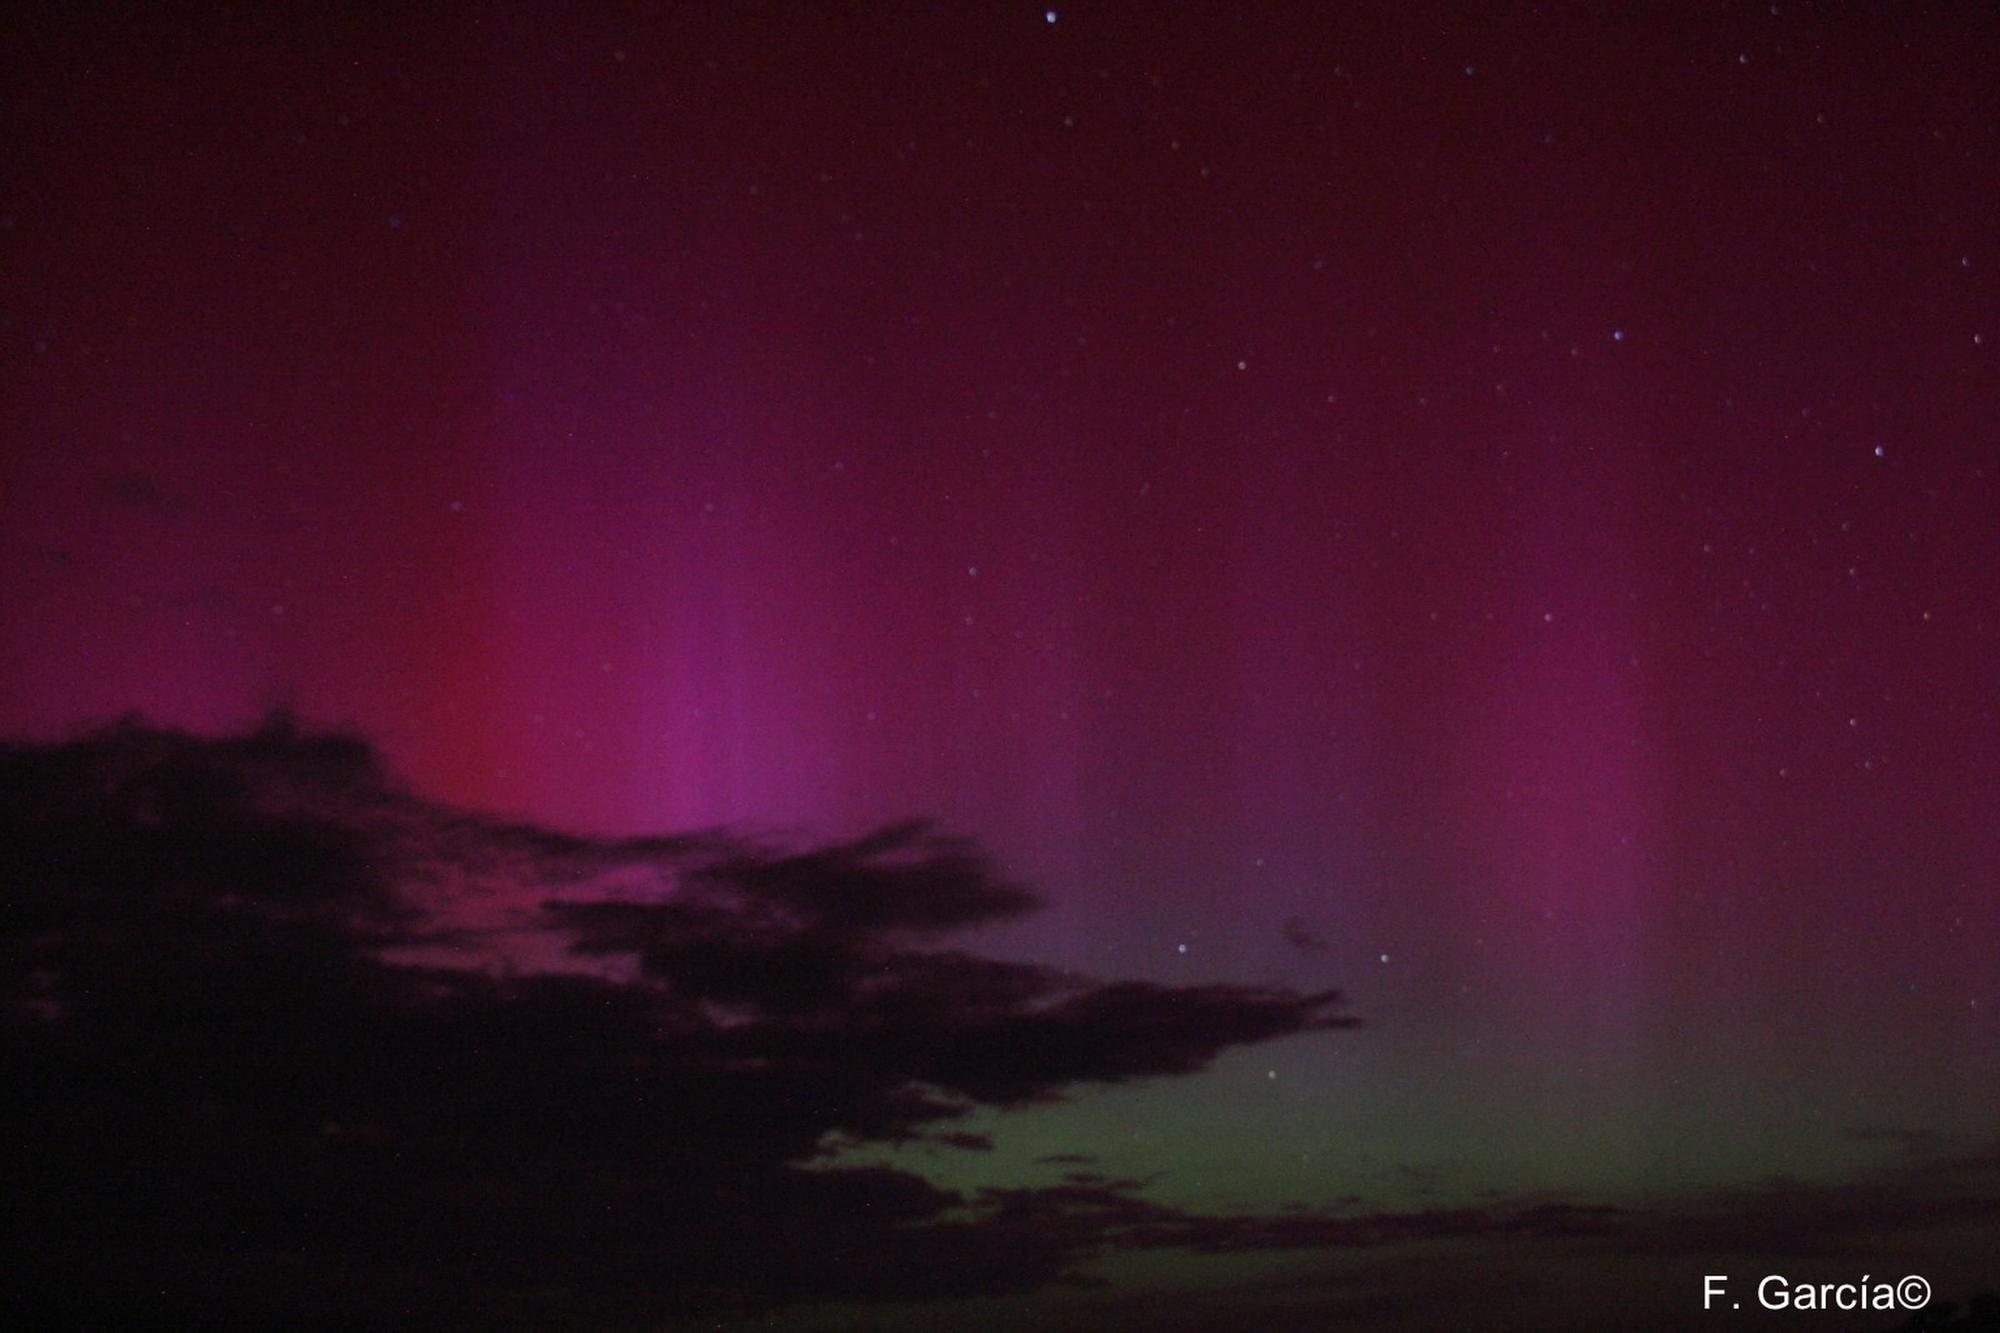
1498, 515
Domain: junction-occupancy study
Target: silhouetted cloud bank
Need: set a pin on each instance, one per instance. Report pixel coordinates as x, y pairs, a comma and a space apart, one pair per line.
292, 1044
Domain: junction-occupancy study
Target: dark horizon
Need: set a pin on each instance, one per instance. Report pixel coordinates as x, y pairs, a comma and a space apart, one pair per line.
292, 1045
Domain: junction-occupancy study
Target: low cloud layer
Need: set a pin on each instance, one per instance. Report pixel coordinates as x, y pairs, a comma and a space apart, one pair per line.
291, 1047
294, 1044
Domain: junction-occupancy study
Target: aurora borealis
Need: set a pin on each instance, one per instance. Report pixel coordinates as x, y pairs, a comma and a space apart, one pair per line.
1497, 514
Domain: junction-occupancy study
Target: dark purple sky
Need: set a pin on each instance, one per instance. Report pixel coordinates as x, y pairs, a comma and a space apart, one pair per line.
1514, 498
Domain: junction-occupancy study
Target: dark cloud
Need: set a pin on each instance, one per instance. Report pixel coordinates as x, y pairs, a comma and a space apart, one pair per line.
1302, 937
292, 1046
1848, 1220
1567, 1267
